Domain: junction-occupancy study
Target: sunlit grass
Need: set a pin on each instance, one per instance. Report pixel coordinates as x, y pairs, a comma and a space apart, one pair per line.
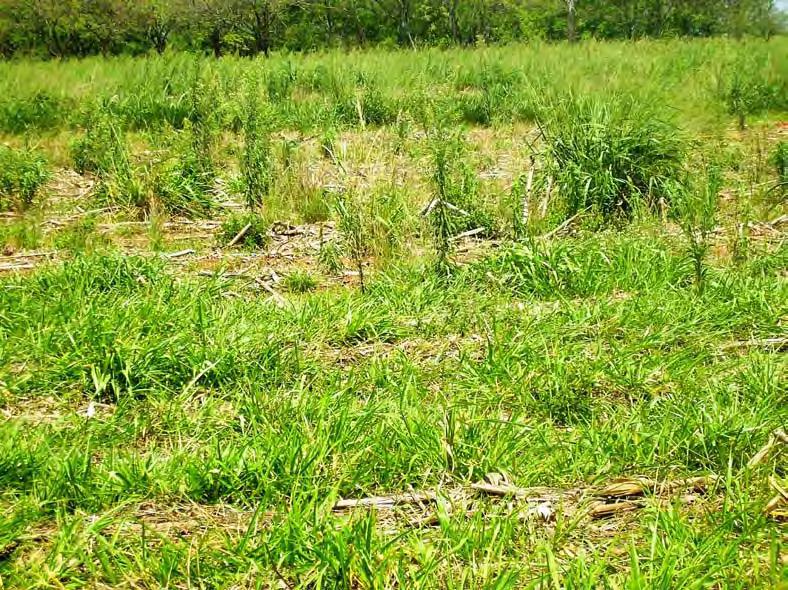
234, 317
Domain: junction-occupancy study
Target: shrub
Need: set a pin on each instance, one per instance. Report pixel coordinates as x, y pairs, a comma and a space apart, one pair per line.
609, 155
22, 174
254, 237
748, 87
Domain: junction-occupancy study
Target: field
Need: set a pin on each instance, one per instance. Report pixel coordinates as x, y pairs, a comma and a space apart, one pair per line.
504, 317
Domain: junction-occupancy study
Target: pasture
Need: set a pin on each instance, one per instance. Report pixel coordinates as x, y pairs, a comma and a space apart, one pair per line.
503, 317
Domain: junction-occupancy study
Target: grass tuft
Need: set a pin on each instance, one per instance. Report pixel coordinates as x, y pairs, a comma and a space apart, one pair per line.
610, 155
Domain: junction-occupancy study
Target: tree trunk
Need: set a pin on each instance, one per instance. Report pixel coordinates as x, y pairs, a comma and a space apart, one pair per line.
451, 6
404, 22
262, 31
328, 10
216, 41
571, 25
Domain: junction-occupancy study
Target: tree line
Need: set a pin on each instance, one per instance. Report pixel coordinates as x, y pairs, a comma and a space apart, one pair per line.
62, 28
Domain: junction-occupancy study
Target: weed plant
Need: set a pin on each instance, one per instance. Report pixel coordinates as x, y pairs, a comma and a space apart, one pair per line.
455, 206
103, 151
330, 257
779, 159
164, 428
299, 281
23, 174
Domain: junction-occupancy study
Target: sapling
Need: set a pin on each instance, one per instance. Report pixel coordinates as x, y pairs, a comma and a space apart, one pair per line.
454, 186
438, 210
696, 208
256, 157
746, 89
353, 234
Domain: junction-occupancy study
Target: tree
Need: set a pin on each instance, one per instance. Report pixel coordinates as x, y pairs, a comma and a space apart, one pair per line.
211, 20
571, 23
403, 10
256, 19
451, 9
158, 20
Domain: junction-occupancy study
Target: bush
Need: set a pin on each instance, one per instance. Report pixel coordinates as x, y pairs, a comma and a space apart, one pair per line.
255, 237
749, 87
609, 155
22, 174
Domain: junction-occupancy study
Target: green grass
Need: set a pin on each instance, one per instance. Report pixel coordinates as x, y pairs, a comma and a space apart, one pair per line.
176, 413
481, 86
557, 379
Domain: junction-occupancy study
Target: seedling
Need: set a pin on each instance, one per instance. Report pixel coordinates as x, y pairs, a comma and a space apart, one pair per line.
696, 211
353, 234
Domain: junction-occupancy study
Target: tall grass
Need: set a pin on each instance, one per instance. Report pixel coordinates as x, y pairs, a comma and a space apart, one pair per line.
610, 154
482, 86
